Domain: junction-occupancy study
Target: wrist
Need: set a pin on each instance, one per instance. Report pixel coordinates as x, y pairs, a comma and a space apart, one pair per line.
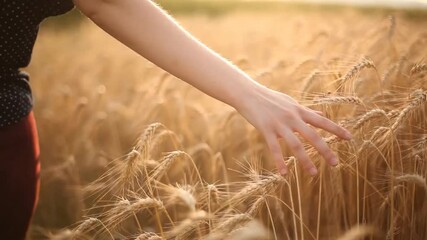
243, 97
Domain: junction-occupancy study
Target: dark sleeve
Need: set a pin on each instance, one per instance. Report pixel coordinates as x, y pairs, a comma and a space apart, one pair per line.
56, 7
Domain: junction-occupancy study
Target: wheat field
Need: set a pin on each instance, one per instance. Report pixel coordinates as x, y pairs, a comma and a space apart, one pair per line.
130, 152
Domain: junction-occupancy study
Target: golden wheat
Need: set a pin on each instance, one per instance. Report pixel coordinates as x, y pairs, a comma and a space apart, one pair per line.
197, 170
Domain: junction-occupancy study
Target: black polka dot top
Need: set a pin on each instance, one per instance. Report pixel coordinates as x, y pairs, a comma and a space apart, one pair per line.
19, 24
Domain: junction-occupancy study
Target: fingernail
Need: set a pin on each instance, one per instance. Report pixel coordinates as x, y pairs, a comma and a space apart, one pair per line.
348, 135
334, 161
283, 172
312, 171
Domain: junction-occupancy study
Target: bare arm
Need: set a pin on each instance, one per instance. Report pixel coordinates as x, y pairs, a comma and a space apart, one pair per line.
145, 28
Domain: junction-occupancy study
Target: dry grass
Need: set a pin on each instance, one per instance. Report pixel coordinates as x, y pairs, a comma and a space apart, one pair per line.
196, 170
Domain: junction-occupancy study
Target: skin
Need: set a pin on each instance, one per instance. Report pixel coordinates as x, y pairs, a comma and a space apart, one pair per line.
144, 27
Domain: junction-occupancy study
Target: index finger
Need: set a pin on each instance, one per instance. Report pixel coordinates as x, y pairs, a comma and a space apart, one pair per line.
326, 124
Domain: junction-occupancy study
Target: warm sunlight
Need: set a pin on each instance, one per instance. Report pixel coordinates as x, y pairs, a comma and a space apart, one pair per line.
213, 120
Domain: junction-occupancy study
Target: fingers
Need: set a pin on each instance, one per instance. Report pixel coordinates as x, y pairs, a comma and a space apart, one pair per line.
276, 150
314, 111
326, 124
314, 138
297, 148
319, 112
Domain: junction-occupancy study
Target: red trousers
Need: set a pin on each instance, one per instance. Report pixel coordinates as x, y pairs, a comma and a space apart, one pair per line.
19, 177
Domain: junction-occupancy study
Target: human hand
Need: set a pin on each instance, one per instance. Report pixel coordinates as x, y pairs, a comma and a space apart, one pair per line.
275, 114
278, 115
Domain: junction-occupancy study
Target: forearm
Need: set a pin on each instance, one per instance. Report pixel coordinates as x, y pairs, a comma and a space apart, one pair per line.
145, 28
142, 26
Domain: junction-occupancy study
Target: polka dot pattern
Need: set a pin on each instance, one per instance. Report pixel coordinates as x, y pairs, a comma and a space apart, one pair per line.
19, 25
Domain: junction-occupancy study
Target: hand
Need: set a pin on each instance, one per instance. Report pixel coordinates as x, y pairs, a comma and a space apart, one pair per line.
275, 114
278, 115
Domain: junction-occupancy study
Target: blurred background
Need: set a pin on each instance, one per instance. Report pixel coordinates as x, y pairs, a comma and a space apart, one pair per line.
108, 97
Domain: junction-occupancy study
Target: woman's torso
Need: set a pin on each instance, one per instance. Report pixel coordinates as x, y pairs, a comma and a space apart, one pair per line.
19, 24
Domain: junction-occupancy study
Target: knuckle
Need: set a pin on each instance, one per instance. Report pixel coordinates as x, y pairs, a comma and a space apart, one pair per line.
277, 153
315, 137
289, 114
324, 149
338, 128
302, 110
339, 131
343, 131
327, 153
305, 162
274, 148
324, 121
286, 116
297, 147
280, 163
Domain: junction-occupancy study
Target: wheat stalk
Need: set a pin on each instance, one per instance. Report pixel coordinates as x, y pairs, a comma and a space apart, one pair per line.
336, 100
418, 97
148, 236
263, 186
87, 225
144, 140
413, 178
308, 82
165, 164
213, 193
189, 225
392, 27
255, 208
358, 232
418, 68
125, 209
232, 222
184, 194
374, 113
355, 69
131, 171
